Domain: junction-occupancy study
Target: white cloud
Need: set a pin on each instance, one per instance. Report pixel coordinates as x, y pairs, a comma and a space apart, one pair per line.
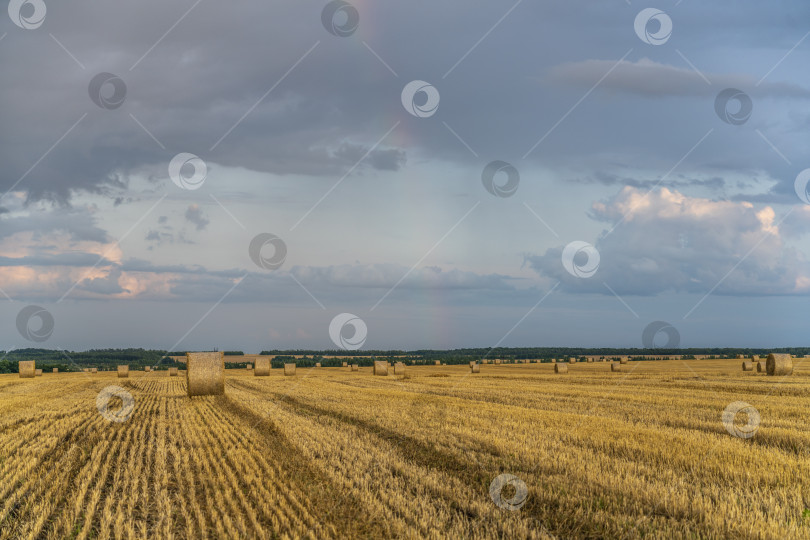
666, 241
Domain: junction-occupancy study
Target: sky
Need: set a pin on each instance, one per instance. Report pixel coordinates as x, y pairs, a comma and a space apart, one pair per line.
388, 175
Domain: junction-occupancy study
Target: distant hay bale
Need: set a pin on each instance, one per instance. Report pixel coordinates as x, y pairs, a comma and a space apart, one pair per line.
38, 373
399, 368
615, 366
560, 368
205, 373
123, 372
437, 363
497, 361
355, 367
589, 359
748, 365
475, 368
172, 372
262, 367
249, 367
779, 364
739, 356
623, 360
485, 361
345, 364
762, 367
553, 360
56, 370
93, 370
289, 370
27, 368
756, 358
148, 369
317, 364
572, 360
380, 368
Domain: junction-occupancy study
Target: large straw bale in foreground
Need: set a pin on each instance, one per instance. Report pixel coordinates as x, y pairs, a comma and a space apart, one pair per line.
205, 373
380, 368
748, 365
27, 368
262, 367
560, 368
289, 370
172, 372
399, 368
779, 364
123, 372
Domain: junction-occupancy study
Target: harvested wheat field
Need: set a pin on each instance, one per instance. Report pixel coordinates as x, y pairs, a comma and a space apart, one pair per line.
334, 453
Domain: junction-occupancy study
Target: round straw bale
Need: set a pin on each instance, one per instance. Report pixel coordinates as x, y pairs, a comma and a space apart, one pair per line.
615, 366
560, 368
739, 356
205, 373
123, 372
289, 370
172, 372
762, 367
748, 365
623, 360
56, 370
399, 368
437, 363
249, 367
38, 373
572, 360
317, 364
93, 370
380, 368
779, 364
475, 368
355, 367
345, 364
27, 369
262, 368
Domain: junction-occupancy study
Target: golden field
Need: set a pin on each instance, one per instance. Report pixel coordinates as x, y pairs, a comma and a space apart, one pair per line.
331, 453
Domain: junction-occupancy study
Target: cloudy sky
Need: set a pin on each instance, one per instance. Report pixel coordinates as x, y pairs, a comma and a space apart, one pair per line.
195, 174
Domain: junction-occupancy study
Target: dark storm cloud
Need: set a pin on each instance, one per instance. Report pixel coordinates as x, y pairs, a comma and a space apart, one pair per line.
191, 88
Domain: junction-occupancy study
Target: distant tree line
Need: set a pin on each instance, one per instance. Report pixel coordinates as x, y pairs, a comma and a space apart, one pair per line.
108, 359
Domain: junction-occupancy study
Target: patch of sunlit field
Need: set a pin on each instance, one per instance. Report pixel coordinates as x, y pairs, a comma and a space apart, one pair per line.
514, 451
